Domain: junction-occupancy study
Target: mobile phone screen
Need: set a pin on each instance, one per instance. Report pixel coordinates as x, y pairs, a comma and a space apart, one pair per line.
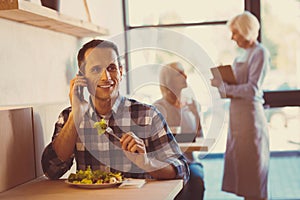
80, 88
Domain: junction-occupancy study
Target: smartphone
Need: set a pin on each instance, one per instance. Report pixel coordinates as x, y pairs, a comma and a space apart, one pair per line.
80, 88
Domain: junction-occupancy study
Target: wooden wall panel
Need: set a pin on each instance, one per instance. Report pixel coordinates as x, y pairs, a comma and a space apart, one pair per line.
17, 155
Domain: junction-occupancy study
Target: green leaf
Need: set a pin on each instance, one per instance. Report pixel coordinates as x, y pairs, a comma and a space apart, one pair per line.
100, 126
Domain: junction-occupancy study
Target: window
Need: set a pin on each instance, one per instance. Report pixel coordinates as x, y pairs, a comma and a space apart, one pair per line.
194, 33
144, 12
281, 35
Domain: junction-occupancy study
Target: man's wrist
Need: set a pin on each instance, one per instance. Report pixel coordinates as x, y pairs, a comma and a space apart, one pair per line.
151, 165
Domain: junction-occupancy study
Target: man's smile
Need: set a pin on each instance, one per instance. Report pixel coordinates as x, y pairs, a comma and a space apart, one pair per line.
106, 85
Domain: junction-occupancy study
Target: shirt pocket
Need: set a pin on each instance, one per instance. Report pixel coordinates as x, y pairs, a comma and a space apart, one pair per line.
141, 126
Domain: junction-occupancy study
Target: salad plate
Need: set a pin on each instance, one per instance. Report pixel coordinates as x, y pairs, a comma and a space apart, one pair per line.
95, 185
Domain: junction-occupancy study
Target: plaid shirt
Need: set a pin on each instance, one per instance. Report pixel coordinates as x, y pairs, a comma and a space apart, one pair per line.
104, 151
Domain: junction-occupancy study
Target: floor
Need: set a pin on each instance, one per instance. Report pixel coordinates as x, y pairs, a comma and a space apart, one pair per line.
284, 177
284, 171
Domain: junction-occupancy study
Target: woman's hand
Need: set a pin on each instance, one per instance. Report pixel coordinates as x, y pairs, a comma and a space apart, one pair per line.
215, 82
193, 107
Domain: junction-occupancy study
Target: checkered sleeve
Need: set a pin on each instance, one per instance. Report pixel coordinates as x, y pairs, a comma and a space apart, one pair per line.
165, 148
52, 166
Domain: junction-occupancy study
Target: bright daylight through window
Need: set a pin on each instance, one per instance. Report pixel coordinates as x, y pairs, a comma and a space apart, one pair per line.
204, 22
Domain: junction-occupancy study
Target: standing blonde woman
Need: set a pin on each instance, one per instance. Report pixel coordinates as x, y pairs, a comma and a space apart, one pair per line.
247, 150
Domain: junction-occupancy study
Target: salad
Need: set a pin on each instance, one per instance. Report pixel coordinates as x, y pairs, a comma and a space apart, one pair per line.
90, 176
101, 126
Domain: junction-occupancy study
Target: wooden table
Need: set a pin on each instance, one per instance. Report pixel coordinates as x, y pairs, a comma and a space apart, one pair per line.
201, 144
44, 189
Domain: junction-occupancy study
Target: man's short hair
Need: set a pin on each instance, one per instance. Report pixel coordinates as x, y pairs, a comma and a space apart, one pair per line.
95, 44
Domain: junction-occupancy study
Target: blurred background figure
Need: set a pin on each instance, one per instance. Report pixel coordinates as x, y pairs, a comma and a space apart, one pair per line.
184, 115
247, 151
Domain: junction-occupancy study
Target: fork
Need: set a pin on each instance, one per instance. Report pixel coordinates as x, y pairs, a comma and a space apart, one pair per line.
111, 132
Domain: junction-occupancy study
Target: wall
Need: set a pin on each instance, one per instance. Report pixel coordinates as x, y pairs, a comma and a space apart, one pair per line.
37, 64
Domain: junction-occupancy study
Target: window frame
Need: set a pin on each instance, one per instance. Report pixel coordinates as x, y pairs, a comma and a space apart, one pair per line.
272, 98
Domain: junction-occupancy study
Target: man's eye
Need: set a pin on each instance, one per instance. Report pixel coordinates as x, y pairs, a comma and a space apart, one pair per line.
112, 68
96, 70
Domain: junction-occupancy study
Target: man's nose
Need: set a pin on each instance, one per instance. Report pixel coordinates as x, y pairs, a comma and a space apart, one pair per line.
105, 75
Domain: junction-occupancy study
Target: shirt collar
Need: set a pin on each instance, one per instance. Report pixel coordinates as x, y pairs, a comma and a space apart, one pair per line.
92, 111
117, 103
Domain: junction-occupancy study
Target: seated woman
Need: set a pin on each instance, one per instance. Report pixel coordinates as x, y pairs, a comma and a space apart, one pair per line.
172, 80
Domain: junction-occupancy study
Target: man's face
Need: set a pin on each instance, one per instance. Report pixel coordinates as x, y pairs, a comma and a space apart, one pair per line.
103, 73
178, 78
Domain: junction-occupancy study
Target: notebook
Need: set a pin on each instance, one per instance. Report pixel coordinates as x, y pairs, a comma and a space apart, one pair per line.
133, 183
224, 73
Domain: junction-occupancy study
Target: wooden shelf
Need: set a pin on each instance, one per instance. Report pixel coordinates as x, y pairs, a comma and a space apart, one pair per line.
43, 17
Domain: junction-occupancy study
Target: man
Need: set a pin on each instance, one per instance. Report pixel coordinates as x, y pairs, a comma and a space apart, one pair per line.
142, 148
172, 79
